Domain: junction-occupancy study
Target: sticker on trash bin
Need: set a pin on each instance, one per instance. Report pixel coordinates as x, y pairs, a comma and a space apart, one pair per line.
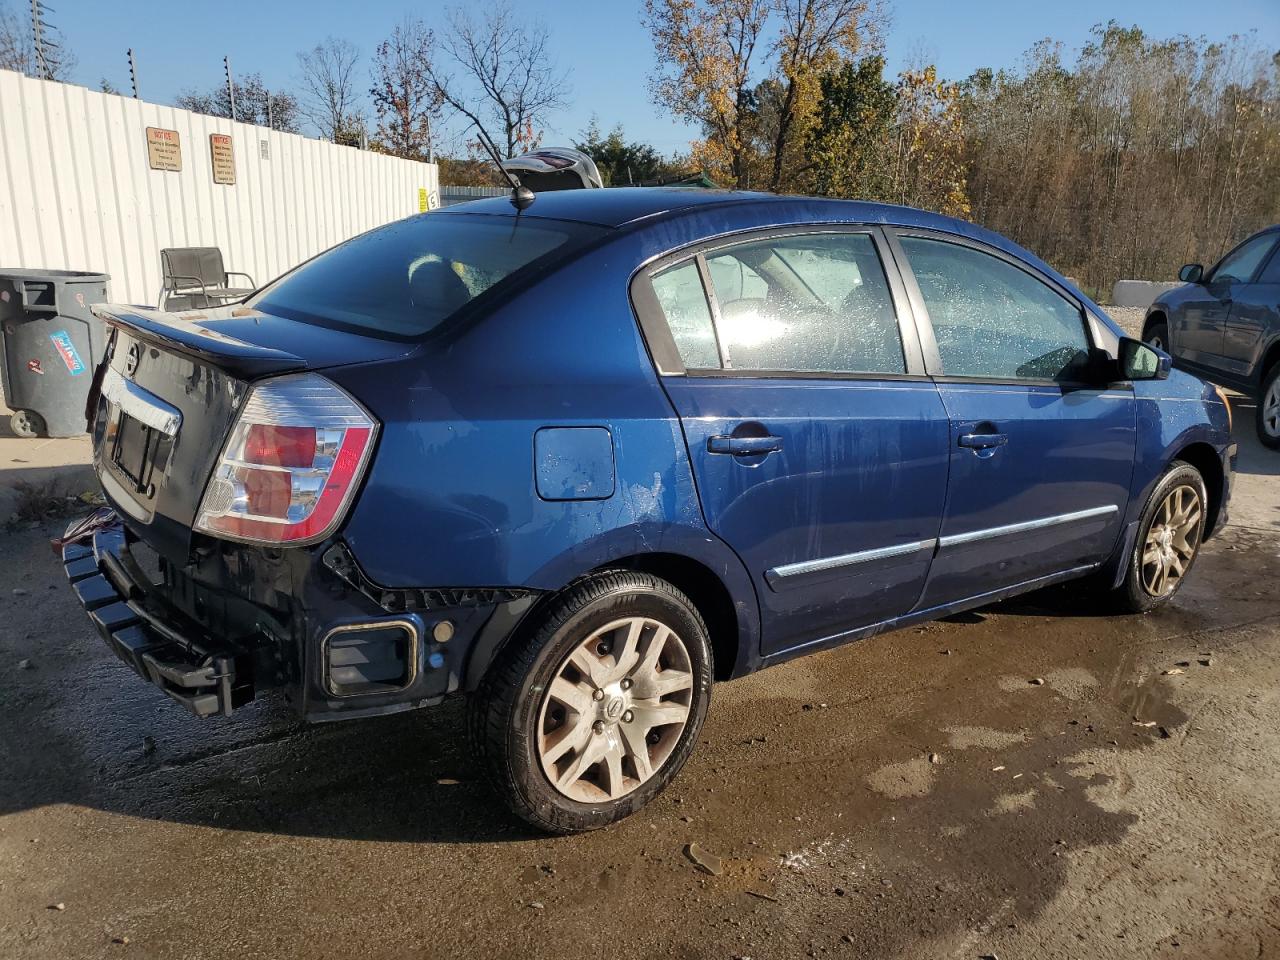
34, 367
67, 350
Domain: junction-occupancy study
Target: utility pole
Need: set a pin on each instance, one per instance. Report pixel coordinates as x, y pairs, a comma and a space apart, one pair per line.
133, 74
231, 87
271, 116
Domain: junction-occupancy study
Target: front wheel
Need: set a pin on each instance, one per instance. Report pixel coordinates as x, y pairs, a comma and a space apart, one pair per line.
1168, 541
589, 715
1269, 408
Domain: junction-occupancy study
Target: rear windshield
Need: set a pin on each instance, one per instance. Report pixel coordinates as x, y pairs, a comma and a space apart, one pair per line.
407, 278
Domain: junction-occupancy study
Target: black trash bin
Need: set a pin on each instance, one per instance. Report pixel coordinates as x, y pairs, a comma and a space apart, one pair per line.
50, 344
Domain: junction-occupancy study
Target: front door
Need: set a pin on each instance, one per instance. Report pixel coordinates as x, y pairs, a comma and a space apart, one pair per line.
1040, 462
1253, 324
1200, 326
818, 445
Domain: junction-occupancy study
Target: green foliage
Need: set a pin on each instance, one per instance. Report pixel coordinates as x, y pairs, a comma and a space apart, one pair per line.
621, 162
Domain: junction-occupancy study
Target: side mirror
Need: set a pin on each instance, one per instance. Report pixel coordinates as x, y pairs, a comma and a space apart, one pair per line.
1191, 273
1138, 361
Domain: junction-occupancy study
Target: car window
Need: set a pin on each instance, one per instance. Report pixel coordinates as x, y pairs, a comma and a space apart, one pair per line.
992, 319
806, 304
405, 279
1271, 272
1242, 263
684, 302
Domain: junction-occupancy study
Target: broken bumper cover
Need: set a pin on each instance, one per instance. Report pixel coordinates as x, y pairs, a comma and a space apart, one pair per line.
202, 675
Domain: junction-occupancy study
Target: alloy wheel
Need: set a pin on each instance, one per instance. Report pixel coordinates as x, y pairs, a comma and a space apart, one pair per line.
1172, 540
615, 710
1271, 409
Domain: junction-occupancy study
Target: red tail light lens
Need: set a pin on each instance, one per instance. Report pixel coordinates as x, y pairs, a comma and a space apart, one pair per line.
291, 465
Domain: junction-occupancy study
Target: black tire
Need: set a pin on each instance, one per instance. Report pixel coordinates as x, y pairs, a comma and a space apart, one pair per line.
1268, 435
1157, 335
27, 424
1133, 596
504, 713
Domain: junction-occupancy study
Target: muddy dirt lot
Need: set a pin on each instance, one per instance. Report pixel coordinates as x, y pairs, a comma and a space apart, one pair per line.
913, 795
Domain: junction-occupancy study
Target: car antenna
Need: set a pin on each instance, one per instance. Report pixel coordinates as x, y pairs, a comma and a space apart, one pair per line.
521, 196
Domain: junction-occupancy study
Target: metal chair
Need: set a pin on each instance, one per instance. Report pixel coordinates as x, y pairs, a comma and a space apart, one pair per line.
195, 278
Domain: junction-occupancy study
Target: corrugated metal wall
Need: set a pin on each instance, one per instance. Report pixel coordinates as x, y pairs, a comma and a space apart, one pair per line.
77, 191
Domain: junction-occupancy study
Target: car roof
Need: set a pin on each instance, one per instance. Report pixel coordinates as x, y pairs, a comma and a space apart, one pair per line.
728, 211
619, 207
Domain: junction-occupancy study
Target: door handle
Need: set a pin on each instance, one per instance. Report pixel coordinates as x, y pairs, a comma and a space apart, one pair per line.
743, 446
983, 441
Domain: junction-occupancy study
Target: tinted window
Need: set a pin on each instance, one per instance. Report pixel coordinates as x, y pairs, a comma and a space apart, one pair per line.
1242, 262
806, 304
992, 319
408, 277
1271, 272
679, 291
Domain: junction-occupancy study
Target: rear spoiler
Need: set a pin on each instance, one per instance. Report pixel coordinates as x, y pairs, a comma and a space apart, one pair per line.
181, 333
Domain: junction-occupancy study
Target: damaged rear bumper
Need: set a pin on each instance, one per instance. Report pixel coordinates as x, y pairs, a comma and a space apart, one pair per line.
305, 621
202, 674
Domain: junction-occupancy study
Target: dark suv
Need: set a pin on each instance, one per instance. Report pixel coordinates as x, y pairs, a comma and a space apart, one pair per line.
1225, 324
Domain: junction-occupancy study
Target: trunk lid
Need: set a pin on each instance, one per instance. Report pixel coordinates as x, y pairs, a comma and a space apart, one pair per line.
169, 391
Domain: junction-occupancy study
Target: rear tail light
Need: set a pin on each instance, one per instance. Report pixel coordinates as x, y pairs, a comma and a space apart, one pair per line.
291, 465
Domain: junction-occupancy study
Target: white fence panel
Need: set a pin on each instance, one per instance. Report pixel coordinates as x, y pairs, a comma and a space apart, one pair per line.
77, 191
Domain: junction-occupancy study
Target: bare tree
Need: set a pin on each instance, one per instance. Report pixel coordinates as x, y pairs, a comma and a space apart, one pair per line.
404, 96
328, 96
18, 48
508, 82
254, 103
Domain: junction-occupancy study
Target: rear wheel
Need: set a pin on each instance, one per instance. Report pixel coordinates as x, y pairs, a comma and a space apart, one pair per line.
590, 714
1269, 408
1157, 335
27, 424
1168, 541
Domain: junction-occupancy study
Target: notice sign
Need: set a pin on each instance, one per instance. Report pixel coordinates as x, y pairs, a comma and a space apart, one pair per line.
224, 158
423, 201
164, 149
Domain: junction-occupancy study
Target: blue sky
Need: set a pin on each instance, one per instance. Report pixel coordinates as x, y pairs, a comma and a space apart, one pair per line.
180, 44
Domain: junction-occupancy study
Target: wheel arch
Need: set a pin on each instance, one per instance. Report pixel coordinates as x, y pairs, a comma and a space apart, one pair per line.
1269, 359
700, 566
1156, 315
1204, 458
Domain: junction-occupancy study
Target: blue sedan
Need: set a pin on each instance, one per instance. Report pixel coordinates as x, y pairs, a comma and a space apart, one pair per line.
578, 461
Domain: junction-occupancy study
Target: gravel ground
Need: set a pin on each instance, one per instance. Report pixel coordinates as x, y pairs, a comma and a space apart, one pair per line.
1129, 318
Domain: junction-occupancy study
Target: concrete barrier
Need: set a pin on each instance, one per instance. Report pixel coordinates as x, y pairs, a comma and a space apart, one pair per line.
1138, 293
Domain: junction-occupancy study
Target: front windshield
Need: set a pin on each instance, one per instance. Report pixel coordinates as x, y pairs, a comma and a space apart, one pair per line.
407, 278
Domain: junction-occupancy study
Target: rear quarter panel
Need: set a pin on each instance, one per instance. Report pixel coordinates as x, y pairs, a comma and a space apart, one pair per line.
452, 499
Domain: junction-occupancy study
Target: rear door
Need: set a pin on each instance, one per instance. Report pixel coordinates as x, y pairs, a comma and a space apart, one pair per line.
1040, 460
818, 444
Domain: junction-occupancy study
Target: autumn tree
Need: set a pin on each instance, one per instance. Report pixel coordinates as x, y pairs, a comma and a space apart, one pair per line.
709, 53
816, 38
706, 52
254, 103
404, 97
329, 90
498, 74
928, 167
